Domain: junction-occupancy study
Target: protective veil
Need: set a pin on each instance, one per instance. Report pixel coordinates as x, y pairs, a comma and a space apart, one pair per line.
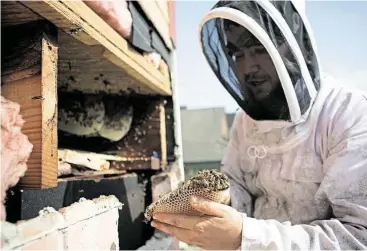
244, 41
297, 158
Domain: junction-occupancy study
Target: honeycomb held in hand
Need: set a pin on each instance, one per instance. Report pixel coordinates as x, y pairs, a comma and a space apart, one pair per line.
209, 184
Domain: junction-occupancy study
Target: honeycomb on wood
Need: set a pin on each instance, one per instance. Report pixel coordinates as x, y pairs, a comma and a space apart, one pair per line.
209, 184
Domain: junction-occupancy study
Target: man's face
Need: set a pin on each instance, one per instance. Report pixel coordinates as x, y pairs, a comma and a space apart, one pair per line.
255, 68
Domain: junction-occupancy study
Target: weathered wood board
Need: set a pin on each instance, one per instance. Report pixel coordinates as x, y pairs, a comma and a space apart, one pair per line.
29, 72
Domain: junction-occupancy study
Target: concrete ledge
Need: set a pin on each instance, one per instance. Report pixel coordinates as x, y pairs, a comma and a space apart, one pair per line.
16, 235
73, 227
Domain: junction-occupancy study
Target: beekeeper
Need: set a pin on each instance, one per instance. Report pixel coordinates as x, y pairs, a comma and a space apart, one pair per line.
297, 158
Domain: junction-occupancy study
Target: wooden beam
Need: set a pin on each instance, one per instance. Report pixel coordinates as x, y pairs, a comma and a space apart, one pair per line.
163, 6
138, 164
14, 13
96, 175
78, 20
29, 69
84, 68
170, 131
162, 120
86, 159
102, 162
92, 164
154, 13
147, 136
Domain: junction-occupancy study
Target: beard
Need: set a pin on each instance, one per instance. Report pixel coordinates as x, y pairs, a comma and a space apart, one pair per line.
273, 106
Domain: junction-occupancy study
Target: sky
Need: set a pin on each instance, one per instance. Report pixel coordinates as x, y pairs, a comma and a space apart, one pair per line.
340, 30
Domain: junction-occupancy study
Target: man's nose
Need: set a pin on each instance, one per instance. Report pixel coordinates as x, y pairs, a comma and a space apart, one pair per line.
251, 64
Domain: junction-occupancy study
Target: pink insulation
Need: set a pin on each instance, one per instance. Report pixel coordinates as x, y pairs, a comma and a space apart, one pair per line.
15, 148
115, 13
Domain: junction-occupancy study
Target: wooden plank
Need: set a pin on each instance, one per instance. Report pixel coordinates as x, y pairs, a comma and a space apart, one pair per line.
163, 6
138, 164
97, 161
91, 173
21, 58
170, 131
155, 15
81, 161
14, 13
162, 120
84, 68
51, 14
90, 155
77, 19
29, 60
131, 57
85, 159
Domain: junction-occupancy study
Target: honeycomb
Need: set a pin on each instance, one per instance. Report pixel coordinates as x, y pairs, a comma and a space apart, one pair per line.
209, 184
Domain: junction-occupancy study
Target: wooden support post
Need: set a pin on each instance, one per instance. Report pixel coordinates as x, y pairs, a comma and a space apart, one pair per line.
147, 136
29, 77
162, 133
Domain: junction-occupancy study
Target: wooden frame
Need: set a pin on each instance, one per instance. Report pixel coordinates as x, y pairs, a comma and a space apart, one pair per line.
79, 21
29, 60
84, 68
148, 134
141, 147
33, 83
157, 12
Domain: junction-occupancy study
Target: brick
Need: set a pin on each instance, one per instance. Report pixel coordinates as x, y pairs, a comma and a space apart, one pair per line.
84, 225
78, 211
92, 224
105, 203
81, 226
108, 221
130, 189
53, 241
82, 235
40, 233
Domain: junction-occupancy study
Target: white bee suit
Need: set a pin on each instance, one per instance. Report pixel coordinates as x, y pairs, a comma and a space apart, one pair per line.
300, 179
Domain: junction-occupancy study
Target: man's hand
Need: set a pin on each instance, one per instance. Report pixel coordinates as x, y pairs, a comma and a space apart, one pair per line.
219, 227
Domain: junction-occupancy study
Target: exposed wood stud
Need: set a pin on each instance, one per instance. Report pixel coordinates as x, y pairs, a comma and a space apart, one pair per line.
29, 71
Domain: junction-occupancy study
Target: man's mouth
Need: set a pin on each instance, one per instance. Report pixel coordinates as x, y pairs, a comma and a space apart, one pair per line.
257, 82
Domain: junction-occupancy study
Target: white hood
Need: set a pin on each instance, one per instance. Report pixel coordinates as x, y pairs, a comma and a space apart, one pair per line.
283, 30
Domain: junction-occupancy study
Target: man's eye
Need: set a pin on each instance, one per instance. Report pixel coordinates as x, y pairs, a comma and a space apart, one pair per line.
238, 54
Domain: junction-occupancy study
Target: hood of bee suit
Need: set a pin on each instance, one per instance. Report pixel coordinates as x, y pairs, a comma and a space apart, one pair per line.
263, 52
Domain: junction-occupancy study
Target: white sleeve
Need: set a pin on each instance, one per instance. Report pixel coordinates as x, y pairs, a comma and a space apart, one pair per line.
344, 188
241, 199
